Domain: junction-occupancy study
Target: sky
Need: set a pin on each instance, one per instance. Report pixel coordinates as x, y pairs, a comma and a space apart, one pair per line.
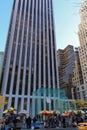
66, 17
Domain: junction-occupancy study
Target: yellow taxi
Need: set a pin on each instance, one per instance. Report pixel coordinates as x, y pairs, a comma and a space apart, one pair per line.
82, 126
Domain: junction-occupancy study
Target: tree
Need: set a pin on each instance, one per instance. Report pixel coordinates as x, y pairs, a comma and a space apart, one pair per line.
79, 104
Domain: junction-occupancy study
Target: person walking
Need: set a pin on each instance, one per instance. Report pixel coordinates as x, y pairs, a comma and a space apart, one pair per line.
64, 122
28, 122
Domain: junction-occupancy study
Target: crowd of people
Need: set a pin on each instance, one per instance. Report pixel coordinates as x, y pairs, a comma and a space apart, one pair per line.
11, 121
51, 121
71, 120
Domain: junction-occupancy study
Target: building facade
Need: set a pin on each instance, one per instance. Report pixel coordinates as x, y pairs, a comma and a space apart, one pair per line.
30, 57
80, 74
77, 78
66, 60
79, 92
1, 62
83, 41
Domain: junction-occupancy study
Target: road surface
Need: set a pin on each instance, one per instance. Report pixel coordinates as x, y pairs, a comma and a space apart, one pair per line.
55, 129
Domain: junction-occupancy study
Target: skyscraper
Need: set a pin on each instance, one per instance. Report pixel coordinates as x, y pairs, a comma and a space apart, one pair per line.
77, 79
1, 62
83, 40
30, 61
82, 90
66, 60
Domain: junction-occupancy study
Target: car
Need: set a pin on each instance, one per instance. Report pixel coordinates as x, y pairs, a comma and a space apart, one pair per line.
82, 126
35, 125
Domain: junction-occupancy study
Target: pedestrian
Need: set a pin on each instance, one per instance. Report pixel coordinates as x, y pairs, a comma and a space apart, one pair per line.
6, 124
34, 119
64, 123
2, 125
28, 122
59, 124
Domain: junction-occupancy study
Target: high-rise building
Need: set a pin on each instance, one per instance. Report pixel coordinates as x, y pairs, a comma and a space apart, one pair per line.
80, 74
82, 88
1, 62
79, 89
30, 57
66, 60
77, 79
83, 40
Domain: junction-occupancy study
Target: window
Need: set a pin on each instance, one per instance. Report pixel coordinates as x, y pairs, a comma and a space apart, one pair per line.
82, 87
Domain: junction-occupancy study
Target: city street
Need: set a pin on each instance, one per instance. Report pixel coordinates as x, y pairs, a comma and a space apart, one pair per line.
62, 129
55, 129
43, 85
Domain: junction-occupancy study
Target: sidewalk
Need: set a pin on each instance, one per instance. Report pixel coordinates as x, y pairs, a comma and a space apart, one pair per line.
67, 128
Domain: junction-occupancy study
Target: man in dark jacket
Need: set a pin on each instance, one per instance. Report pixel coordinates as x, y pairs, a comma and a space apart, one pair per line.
28, 122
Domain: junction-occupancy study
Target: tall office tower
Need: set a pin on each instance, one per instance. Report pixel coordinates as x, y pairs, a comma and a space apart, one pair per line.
1, 62
65, 64
77, 73
30, 62
83, 40
77, 79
